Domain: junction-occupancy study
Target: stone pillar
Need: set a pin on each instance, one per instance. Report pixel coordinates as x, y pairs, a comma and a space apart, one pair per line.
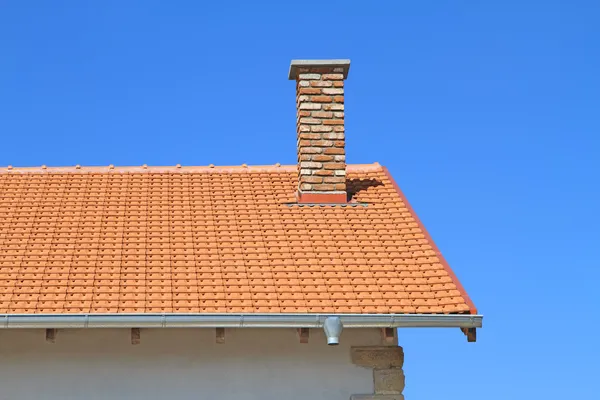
386, 363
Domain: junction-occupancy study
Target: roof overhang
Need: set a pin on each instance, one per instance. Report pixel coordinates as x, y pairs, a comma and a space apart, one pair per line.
71, 321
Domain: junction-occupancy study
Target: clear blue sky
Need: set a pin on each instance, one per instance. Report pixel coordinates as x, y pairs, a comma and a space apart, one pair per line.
487, 114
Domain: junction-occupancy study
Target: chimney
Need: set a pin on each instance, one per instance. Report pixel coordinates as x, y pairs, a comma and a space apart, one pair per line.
320, 128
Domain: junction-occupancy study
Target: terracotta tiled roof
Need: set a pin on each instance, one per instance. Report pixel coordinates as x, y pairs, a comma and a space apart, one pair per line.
213, 240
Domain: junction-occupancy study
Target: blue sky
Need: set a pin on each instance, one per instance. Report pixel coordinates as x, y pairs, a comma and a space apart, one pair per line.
486, 113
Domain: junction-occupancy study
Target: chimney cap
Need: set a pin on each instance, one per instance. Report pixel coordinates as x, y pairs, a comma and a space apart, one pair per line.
295, 64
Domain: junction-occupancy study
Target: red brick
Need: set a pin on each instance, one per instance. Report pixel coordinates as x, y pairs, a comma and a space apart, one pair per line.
340, 186
333, 107
333, 135
321, 128
310, 136
309, 91
334, 165
321, 84
338, 84
333, 122
334, 150
313, 179
333, 91
311, 121
322, 187
310, 150
309, 76
334, 179
321, 143
338, 99
311, 165
322, 157
309, 106
322, 114
323, 172
322, 99
333, 77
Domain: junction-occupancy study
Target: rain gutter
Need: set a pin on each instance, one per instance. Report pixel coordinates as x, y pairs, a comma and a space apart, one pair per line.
171, 320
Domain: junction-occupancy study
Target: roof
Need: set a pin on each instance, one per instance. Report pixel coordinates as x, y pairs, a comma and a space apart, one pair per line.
213, 240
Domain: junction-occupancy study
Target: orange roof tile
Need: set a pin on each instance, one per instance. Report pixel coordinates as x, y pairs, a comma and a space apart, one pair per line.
213, 240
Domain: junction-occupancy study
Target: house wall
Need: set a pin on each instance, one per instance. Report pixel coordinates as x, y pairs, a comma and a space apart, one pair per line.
181, 364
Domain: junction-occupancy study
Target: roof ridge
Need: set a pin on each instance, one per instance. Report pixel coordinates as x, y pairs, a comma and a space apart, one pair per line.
176, 168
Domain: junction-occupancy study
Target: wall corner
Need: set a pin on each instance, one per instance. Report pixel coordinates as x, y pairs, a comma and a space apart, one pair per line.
388, 376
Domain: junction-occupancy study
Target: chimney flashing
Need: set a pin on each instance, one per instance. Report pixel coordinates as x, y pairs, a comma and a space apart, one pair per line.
296, 65
335, 197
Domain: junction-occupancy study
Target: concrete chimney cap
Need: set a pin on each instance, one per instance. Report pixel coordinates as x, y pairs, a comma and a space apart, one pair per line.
295, 64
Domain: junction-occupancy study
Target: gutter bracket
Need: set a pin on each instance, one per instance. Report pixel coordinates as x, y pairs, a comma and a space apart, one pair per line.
470, 333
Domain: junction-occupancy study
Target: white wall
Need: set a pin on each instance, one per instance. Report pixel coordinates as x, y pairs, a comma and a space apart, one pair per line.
177, 364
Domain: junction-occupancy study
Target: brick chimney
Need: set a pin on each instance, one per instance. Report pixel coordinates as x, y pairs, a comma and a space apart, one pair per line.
320, 128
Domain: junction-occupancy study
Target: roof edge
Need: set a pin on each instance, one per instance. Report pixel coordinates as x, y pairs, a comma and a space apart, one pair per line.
459, 286
174, 320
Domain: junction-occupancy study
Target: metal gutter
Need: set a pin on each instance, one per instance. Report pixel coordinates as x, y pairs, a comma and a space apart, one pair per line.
65, 321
